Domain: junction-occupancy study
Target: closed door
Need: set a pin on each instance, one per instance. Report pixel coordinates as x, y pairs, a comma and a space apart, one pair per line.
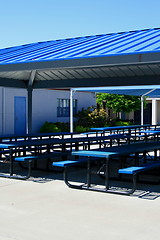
20, 115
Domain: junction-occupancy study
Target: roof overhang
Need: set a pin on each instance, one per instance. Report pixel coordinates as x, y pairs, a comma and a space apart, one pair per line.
118, 59
100, 61
133, 69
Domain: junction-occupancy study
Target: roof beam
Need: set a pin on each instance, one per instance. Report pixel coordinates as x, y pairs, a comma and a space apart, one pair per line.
9, 82
111, 60
97, 82
31, 78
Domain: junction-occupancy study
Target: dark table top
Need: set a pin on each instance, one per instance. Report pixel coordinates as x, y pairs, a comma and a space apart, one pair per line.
120, 150
40, 142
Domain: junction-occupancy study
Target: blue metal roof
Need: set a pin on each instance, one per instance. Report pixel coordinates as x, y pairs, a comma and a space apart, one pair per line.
131, 42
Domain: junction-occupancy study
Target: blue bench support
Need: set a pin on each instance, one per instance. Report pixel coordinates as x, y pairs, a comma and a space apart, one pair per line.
28, 159
130, 170
85, 186
66, 164
134, 170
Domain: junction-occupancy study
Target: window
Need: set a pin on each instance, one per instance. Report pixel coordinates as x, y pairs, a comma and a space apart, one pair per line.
63, 107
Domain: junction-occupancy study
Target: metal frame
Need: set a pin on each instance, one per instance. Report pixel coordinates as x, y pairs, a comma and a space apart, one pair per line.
109, 154
106, 188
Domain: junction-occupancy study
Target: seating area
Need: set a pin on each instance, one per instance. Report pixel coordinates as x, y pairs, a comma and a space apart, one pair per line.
71, 151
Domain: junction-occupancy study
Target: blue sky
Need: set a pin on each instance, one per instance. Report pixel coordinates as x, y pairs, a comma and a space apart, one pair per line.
29, 21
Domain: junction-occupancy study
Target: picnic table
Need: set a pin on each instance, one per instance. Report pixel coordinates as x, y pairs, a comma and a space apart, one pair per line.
150, 133
33, 136
124, 129
108, 154
32, 150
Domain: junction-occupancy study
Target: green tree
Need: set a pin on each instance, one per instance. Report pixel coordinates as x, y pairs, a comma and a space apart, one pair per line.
119, 103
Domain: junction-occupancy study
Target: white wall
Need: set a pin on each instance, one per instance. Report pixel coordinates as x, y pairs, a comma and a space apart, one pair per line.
157, 115
158, 111
1, 112
45, 105
7, 108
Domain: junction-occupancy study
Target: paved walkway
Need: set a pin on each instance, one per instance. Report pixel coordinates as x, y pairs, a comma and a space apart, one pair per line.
43, 211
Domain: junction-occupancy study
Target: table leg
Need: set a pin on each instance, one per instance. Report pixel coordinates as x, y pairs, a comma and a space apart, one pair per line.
11, 162
136, 159
88, 172
155, 154
107, 174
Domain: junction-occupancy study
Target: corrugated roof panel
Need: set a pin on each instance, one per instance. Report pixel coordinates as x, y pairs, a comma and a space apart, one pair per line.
40, 48
57, 52
82, 73
109, 72
128, 43
75, 73
119, 71
139, 41
146, 70
136, 70
142, 42
155, 69
55, 49
72, 49
99, 50
17, 52
32, 52
99, 72
84, 49
128, 71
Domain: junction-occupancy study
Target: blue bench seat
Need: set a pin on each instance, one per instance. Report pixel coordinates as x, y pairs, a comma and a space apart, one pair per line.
134, 170
38, 157
65, 163
30, 158
138, 169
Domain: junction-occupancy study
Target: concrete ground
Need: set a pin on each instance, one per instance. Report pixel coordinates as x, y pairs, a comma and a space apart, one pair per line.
47, 209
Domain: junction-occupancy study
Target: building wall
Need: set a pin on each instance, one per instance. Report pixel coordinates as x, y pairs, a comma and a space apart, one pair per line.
7, 108
44, 106
1, 112
158, 111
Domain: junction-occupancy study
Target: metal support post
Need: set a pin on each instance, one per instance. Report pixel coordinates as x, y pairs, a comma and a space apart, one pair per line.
71, 109
29, 122
142, 109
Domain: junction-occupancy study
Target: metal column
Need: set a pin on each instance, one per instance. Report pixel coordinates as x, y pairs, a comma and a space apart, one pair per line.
30, 90
29, 122
71, 110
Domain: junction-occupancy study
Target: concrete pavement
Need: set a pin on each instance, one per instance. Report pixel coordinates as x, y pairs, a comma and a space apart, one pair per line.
50, 210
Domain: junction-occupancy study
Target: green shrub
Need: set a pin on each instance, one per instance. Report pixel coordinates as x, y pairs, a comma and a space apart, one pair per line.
64, 127
91, 117
49, 127
83, 117
98, 117
122, 123
80, 129
54, 127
